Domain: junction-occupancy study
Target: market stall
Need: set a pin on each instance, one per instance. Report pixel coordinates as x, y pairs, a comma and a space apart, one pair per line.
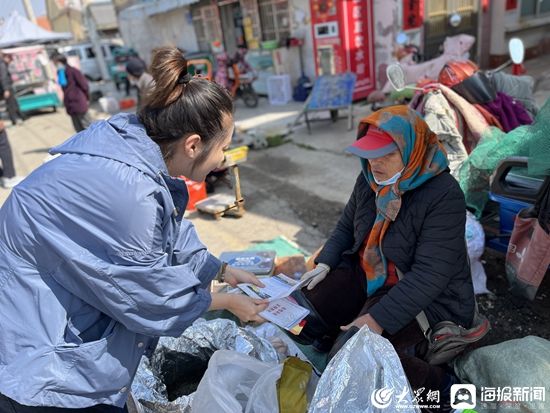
32, 76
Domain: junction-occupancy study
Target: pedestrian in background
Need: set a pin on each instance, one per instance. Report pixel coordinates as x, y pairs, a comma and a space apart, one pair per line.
139, 77
8, 178
6, 89
75, 90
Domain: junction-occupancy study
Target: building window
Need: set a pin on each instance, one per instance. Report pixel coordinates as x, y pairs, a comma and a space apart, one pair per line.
207, 25
275, 19
90, 54
74, 52
534, 8
439, 12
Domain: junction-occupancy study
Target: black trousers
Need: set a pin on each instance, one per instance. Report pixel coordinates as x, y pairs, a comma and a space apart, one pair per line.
81, 122
14, 111
8, 405
340, 298
6, 156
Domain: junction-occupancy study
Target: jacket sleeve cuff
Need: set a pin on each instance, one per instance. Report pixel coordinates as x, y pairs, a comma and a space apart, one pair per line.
384, 318
328, 259
205, 300
208, 270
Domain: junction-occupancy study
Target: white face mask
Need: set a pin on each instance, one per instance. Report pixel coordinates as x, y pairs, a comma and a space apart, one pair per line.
389, 181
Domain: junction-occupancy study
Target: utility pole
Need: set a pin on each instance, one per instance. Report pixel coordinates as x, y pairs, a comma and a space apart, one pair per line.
29, 10
96, 42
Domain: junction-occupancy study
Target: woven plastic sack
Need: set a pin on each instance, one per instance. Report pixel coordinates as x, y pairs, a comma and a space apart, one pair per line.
495, 146
506, 367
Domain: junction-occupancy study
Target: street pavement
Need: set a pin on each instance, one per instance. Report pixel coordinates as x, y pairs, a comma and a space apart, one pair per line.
297, 189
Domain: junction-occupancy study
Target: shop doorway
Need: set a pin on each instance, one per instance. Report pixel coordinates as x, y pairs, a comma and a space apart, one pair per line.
232, 25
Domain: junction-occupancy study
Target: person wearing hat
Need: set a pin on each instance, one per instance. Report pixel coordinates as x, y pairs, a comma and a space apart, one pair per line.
139, 77
405, 213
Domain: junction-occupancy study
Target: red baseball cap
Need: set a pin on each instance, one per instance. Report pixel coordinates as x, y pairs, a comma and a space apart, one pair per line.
375, 144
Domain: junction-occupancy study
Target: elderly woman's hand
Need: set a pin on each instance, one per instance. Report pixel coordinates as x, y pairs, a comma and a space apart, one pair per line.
234, 276
316, 275
361, 321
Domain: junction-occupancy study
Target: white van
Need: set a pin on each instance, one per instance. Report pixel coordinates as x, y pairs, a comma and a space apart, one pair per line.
89, 65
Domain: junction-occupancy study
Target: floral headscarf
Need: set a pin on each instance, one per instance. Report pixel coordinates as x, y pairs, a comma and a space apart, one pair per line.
423, 157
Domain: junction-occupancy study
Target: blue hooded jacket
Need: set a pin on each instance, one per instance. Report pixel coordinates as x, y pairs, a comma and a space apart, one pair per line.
96, 263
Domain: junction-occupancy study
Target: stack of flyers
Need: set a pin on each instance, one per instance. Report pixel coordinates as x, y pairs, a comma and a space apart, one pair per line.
285, 313
282, 310
276, 287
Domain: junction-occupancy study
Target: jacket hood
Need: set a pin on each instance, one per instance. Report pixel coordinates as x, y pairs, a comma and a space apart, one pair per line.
122, 138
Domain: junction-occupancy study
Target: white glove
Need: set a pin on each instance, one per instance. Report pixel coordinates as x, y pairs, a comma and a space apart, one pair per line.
316, 275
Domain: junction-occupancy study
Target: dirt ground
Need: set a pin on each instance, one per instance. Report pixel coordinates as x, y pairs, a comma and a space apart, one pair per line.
512, 317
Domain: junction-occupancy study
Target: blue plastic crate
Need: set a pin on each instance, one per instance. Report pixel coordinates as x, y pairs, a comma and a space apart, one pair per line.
508, 209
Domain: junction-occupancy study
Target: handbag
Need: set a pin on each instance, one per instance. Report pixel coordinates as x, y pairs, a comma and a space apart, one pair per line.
446, 339
528, 255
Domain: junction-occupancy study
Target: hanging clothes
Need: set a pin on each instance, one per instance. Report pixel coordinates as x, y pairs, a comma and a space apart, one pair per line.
489, 117
519, 87
509, 112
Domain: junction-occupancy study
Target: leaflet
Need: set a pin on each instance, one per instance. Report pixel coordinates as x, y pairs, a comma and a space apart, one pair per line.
285, 313
282, 310
276, 287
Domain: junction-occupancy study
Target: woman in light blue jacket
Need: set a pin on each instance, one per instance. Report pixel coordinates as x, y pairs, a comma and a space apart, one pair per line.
96, 260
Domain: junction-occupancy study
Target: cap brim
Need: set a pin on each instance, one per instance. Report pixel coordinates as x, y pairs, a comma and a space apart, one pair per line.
371, 154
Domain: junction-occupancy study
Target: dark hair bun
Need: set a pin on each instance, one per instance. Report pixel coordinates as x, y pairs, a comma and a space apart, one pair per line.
167, 68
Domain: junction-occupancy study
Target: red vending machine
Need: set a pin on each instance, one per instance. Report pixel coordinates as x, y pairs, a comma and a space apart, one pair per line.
343, 40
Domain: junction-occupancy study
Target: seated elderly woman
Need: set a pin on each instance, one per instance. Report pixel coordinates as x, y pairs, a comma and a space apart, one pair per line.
407, 214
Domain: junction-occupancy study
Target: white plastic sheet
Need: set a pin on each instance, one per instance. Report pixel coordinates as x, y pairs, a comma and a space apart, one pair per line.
263, 396
365, 376
475, 240
228, 383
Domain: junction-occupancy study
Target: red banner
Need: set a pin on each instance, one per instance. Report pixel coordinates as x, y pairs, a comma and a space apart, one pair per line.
511, 4
359, 35
413, 14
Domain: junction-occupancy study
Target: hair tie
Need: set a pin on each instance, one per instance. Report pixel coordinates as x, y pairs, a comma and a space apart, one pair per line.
186, 78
